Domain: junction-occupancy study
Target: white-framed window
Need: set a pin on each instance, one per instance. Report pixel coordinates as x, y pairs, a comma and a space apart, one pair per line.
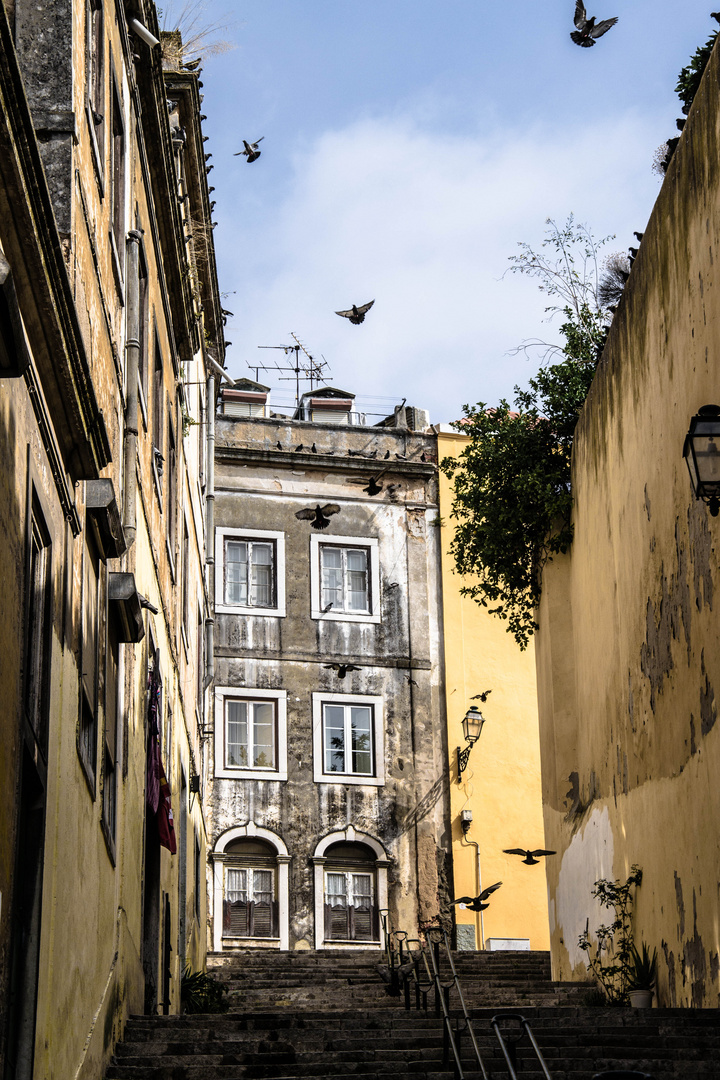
250, 733
349, 907
249, 572
348, 742
345, 578
250, 909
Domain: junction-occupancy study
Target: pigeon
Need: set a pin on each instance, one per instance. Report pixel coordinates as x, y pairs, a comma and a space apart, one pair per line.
475, 903
638, 236
356, 314
327, 608
298, 448
313, 449
680, 123
319, 518
192, 65
386, 455
411, 681
251, 151
529, 855
373, 487
483, 697
279, 445
341, 670
587, 30
715, 15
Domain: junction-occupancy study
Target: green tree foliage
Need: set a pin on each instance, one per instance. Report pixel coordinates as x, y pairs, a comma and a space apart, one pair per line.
511, 483
690, 76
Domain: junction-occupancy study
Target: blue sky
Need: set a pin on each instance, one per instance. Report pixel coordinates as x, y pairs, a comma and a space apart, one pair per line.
409, 147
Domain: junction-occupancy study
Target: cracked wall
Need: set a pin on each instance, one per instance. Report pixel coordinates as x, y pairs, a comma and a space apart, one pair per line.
627, 651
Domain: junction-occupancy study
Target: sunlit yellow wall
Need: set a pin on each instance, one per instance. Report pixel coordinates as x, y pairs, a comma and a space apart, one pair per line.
501, 785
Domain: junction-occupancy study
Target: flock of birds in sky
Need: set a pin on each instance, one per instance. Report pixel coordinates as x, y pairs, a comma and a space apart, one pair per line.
587, 31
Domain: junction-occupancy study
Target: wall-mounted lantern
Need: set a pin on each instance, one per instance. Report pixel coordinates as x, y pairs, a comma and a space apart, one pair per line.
472, 726
702, 454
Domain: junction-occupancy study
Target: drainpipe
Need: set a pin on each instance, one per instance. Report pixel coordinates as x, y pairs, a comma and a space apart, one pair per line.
210, 533
474, 843
132, 354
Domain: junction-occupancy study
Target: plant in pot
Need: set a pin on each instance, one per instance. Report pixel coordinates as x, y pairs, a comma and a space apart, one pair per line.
641, 972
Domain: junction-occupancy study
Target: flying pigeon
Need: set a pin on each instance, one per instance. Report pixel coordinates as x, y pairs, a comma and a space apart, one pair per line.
529, 855
341, 670
587, 30
356, 314
374, 486
475, 903
251, 151
319, 518
483, 697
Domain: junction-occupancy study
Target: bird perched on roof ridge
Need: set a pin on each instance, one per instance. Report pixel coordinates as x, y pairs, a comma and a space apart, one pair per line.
587, 29
356, 314
319, 517
475, 903
530, 858
251, 151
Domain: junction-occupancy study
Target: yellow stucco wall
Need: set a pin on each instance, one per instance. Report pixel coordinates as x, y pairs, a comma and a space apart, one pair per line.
628, 654
501, 785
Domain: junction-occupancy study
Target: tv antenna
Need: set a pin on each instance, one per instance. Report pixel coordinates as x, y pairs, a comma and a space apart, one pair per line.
306, 370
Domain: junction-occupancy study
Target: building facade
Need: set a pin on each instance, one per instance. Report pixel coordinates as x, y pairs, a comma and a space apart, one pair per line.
329, 799
627, 651
496, 801
108, 302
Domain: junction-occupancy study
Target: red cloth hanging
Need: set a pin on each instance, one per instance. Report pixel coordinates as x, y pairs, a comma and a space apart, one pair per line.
166, 828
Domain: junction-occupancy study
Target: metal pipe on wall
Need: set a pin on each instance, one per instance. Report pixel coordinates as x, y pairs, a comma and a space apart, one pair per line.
132, 354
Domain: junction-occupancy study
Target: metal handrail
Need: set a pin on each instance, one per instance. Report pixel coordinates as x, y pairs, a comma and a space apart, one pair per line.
510, 1056
468, 1025
441, 1005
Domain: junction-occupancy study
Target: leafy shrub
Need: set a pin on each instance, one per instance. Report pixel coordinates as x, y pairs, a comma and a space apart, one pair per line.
201, 993
612, 962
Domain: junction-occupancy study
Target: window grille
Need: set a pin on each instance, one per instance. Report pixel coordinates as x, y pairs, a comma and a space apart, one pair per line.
348, 739
345, 578
250, 573
250, 735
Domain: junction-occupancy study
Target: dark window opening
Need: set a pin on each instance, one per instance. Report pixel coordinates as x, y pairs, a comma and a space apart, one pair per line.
158, 406
37, 661
90, 681
95, 73
250, 907
117, 174
351, 912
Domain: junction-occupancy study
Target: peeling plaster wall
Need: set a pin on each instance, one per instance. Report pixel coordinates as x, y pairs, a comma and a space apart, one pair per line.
398, 657
627, 651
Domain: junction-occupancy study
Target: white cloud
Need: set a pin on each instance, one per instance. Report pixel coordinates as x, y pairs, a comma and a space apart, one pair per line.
424, 224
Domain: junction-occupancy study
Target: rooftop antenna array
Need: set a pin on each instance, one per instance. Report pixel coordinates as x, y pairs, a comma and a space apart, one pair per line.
306, 370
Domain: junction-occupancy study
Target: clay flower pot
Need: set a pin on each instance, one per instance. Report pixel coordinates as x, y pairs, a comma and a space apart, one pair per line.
641, 999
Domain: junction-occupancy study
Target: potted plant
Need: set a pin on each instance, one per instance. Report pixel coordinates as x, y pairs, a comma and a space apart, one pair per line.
641, 971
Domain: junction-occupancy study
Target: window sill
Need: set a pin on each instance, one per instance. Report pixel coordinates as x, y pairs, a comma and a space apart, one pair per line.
262, 613
341, 779
250, 774
344, 616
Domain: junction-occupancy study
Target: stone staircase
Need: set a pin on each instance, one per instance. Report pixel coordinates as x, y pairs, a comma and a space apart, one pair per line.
312, 1015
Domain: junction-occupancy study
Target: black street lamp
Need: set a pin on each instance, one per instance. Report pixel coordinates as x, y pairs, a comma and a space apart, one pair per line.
702, 454
472, 726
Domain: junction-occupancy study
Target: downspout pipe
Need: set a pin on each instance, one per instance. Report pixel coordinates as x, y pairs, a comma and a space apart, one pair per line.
210, 533
132, 360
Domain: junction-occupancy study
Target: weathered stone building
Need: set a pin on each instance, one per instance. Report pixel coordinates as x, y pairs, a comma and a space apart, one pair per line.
329, 791
108, 294
628, 649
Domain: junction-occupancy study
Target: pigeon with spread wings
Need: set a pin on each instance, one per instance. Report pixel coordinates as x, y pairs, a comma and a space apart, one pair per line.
319, 517
356, 314
475, 903
251, 151
588, 31
529, 856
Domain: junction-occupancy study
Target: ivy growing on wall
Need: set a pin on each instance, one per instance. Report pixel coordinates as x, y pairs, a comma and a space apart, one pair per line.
511, 483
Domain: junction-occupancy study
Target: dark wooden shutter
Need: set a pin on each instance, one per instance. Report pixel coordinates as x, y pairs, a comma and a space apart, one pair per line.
360, 924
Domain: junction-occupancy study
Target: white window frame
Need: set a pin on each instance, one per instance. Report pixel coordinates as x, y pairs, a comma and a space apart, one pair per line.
319, 774
278, 538
372, 546
237, 772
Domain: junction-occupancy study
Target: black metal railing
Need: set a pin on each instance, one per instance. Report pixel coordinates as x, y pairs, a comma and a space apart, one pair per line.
509, 1046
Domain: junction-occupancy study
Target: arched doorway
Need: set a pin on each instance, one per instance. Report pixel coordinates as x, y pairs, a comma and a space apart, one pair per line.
350, 890
250, 884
